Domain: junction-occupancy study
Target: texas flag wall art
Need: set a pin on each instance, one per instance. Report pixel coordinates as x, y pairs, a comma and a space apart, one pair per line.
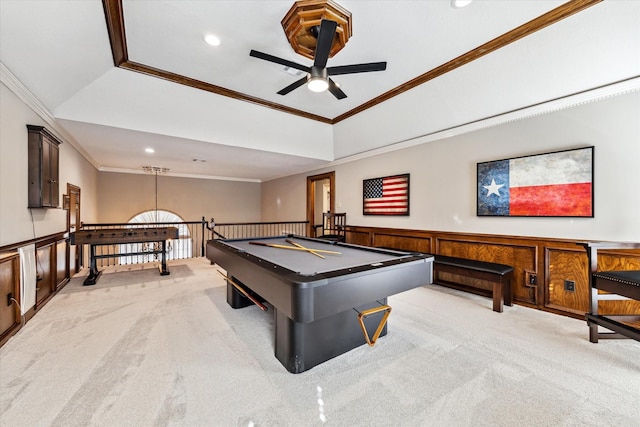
554, 184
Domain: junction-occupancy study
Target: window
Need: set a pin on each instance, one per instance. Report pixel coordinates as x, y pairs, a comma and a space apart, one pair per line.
143, 252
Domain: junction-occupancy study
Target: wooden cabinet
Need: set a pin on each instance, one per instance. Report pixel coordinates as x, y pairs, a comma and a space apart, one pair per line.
43, 168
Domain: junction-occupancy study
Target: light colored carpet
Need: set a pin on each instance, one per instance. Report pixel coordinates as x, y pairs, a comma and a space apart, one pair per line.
140, 349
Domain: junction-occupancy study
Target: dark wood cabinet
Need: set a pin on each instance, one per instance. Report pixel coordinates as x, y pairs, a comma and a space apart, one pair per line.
43, 168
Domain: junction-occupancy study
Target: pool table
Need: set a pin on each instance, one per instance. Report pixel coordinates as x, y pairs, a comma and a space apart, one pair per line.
316, 298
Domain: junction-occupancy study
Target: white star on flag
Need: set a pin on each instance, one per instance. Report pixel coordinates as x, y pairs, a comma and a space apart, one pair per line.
493, 188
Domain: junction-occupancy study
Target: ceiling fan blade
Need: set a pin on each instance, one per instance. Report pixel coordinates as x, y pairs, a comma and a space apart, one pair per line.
280, 61
357, 68
292, 86
335, 90
325, 41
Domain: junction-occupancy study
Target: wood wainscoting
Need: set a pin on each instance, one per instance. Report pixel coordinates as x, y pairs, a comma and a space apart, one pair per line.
52, 271
52, 267
550, 274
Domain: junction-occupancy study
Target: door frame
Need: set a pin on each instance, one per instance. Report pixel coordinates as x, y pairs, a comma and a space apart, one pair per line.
311, 197
73, 193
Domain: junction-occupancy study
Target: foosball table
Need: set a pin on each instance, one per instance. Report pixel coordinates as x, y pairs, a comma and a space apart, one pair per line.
119, 236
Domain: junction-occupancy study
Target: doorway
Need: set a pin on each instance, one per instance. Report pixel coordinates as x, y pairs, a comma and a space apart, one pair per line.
73, 224
320, 198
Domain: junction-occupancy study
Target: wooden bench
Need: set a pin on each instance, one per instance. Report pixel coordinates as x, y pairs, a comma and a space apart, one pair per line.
499, 275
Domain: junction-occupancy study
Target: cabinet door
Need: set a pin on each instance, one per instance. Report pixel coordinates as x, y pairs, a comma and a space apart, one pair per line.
52, 179
54, 169
45, 173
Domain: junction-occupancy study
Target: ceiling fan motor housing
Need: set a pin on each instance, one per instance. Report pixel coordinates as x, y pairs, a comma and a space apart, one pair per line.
317, 72
317, 79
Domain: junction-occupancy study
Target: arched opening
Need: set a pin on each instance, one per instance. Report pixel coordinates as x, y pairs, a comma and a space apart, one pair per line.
176, 248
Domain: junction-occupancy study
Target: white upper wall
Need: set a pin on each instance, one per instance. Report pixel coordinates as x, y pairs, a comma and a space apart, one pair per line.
17, 222
443, 176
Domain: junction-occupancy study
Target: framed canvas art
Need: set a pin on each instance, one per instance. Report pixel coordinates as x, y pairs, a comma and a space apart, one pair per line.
388, 195
557, 184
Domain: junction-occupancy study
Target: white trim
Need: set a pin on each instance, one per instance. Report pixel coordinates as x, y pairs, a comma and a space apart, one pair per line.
21, 91
593, 95
181, 175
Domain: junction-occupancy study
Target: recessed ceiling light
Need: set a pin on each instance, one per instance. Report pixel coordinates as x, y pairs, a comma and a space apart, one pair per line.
460, 3
149, 150
212, 40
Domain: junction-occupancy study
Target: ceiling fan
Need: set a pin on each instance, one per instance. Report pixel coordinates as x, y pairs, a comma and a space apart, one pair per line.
317, 78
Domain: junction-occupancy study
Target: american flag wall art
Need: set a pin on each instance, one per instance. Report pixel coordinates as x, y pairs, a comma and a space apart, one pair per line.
386, 196
558, 184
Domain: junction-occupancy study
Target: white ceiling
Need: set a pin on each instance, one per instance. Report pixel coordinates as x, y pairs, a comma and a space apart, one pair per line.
61, 53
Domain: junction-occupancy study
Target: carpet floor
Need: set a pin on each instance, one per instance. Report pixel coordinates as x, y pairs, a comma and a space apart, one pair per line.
140, 349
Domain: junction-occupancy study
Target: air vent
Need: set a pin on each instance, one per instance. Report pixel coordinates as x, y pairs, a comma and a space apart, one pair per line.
293, 71
155, 169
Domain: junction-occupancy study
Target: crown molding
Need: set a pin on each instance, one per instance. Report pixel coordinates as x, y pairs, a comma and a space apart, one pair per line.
574, 100
179, 175
14, 85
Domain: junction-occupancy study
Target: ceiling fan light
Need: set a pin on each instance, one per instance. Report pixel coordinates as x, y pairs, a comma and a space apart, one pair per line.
317, 84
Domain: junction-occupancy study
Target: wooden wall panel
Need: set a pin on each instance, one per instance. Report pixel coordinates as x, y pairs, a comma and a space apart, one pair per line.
522, 258
564, 264
358, 238
62, 272
484, 287
549, 261
9, 284
46, 274
479, 250
402, 242
52, 268
525, 263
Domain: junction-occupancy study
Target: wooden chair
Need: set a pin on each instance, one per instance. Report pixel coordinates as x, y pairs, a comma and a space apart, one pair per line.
332, 227
617, 285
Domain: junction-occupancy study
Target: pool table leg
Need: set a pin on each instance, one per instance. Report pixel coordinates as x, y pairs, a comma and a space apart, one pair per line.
301, 346
235, 299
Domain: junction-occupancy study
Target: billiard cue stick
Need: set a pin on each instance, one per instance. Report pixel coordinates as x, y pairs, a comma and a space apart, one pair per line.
300, 246
243, 292
273, 245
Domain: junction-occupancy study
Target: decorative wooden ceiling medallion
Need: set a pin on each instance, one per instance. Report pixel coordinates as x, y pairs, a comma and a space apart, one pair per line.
302, 21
